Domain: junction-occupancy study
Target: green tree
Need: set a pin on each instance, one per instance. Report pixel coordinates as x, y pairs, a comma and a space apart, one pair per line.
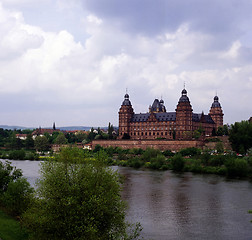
236, 167
178, 163
15, 191
91, 135
29, 142
220, 131
219, 147
41, 143
60, 139
110, 130
80, 136
77, 200
8, 173
240, 136
17, 197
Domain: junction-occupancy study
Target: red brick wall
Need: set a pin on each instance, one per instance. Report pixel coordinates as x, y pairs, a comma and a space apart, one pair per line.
157, 144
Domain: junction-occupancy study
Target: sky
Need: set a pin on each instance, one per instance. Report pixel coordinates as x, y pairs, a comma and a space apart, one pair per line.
70, 62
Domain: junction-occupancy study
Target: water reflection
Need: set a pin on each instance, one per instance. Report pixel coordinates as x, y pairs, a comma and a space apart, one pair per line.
187, 206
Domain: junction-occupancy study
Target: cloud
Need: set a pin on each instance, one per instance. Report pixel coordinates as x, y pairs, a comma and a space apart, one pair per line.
148, 17
51, 75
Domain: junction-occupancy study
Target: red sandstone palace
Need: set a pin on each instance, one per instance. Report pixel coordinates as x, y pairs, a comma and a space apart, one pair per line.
159, 124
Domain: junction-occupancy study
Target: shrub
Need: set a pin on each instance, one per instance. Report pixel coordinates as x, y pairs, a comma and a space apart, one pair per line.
157, 162
150, 153
219, 147
205, 158
97, 148
192, 151
168, 153
217, 160
17, 155
8, 173
15, 191
236, 167
135, 162
17, 197
178, 163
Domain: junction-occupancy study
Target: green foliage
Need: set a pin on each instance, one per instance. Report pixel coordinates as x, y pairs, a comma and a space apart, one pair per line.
77, 199
60, 139
192, 151
217, 160
41, 143
168, 153
17, 155
215, 139
110, 131
97, 148
15, 191
10, 229
219, 147
240, 136
135, 162
178, 163
17, 197
236, 167
157, 162
29, 142
150, 153
8, 173
205, 158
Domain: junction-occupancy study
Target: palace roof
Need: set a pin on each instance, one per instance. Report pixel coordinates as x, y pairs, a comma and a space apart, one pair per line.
170, 116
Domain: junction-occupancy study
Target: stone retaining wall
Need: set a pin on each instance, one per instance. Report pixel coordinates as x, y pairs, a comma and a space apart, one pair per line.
157, 144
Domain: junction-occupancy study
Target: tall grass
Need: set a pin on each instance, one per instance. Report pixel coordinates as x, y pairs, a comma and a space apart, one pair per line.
10, 228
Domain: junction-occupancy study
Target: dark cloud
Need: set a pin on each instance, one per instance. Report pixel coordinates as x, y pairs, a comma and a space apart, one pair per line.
155, 16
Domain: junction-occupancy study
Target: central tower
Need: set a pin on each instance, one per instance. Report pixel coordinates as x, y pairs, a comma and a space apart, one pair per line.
184, 118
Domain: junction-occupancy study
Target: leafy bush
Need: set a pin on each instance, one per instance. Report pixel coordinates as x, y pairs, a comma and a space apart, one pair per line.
135, 162
236, 167
17, 154
192, 151
17, 197
32, 156
205, 158
150, 153
157, 162
178, 163
217, 160
168, 153
15, 191
8, 173
97, 148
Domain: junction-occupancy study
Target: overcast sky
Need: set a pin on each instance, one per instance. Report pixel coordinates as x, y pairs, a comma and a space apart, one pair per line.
70, 62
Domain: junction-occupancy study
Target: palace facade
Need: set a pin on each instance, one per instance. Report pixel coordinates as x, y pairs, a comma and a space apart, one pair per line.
182, 124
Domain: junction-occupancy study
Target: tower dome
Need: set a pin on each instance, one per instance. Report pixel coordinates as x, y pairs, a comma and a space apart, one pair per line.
184, 97
126, 101
216, 103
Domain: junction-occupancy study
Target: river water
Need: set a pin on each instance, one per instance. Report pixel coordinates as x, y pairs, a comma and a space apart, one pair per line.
184, 206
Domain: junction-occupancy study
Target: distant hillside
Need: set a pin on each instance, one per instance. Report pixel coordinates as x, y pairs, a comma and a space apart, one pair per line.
14, 127
72, 128
69, 128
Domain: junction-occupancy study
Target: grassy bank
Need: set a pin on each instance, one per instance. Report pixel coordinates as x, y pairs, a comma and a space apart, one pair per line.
10, 228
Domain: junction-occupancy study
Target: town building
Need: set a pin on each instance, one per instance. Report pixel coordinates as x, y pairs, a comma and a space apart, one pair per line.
182, 124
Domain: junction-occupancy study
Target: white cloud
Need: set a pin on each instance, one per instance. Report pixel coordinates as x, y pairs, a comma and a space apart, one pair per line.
53, 68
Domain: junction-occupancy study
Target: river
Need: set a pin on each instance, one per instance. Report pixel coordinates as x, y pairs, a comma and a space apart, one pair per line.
184, 206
